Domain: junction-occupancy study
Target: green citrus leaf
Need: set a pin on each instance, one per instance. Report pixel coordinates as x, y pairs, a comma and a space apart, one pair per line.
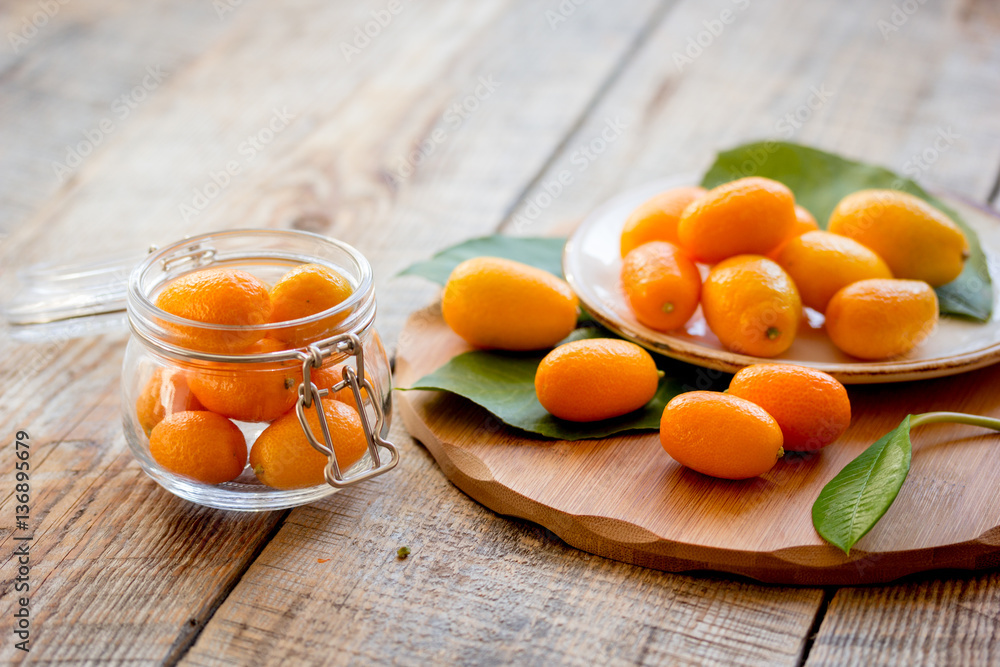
852, 502
820, 180
504, 384
543, 253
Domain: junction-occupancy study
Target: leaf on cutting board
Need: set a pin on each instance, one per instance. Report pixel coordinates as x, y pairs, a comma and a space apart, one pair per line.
541, 252
820, 180
852, 502
504, 384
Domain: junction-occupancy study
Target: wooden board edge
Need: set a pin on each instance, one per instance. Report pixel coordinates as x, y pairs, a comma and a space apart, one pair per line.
604, 536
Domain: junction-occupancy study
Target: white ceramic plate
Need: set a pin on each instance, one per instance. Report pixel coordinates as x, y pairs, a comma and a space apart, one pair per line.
592, 264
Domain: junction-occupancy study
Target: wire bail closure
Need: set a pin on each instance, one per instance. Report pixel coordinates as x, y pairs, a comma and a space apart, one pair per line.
310, 396
198, 253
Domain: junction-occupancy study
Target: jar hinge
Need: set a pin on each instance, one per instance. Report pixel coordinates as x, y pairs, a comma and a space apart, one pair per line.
310, 396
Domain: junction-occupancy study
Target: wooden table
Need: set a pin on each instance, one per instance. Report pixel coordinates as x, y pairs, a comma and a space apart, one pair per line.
449, 119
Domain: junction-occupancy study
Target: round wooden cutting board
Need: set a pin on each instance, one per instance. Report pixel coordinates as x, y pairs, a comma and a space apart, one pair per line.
624, 498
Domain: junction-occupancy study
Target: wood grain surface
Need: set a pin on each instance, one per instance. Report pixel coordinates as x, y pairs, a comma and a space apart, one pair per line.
52, 104
477, 588
125, 573
861, 621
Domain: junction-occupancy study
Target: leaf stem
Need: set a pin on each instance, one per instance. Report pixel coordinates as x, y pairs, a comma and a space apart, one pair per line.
954, 417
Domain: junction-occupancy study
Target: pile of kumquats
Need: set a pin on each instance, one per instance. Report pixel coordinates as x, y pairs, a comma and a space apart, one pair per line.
189, 413
871, 275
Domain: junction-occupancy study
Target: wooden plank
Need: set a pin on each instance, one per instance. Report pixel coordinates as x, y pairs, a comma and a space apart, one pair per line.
478, 588
72, 75
928, 622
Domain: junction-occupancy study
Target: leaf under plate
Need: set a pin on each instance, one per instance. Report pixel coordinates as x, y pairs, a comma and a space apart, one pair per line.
820, 180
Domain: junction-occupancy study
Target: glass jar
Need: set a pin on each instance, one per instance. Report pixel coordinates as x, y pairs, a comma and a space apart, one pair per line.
192, 396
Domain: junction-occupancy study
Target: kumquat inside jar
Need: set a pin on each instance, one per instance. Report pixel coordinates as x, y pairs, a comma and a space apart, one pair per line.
254, 378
